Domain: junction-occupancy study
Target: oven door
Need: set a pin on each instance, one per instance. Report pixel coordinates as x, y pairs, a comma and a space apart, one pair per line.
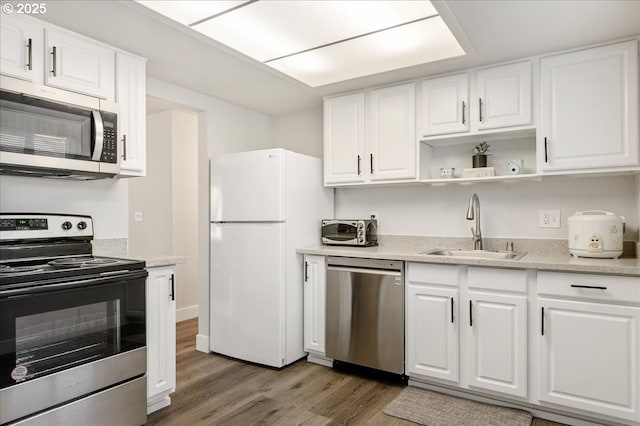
63, 340
340, 233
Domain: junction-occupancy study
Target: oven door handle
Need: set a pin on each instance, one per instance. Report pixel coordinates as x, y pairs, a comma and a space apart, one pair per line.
87, 282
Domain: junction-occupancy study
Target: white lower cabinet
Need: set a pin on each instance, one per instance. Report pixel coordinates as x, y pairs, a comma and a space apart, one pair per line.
590, 346
497, 343
161, 337
491, 329
314, 304
496, 333
432, 344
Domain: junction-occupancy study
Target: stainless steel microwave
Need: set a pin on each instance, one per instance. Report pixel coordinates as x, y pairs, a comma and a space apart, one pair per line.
354, 232
50, 132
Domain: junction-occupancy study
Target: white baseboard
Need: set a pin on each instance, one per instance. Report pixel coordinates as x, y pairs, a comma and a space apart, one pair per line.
155, 404
202, 343
319, 359
186, 313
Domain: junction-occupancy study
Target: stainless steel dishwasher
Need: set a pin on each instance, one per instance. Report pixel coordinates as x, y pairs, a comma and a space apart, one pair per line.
365, 312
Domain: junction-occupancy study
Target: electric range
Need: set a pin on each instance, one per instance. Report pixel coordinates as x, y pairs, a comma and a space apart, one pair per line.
72, 326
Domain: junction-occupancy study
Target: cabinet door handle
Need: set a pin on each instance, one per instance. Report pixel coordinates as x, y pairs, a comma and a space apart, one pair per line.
470, 313
124, 147
371, 162
546, 157
452, 310
53, 61
480, 109
542, 321
463, 111
30, 54
306, 271
173, 287
594, 287
359, 168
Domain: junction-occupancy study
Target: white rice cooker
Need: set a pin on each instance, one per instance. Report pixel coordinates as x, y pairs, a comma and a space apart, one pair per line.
596, 233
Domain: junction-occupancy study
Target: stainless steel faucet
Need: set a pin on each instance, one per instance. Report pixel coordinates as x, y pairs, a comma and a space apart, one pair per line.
473, 212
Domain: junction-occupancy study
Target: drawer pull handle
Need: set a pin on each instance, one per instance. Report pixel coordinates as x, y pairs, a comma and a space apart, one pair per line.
542, 321
595, 287
53, 62
173, 287
452, 310
30, 55
470, 313
463, 108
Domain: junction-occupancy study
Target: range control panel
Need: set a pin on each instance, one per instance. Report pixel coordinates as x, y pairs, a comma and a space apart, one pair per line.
38, 225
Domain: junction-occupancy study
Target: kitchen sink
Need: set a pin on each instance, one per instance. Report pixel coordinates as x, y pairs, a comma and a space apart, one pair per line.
476, 254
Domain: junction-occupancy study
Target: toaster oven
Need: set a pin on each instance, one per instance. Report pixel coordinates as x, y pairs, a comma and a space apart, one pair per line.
356, 232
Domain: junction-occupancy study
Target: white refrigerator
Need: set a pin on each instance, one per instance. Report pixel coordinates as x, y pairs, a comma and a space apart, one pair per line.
264, 205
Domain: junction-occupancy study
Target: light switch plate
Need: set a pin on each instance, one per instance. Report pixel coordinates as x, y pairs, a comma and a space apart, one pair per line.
138, 217
549, 219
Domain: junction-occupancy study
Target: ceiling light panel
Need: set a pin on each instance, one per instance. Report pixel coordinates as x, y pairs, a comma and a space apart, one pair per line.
188, 12
267, 30
408, 45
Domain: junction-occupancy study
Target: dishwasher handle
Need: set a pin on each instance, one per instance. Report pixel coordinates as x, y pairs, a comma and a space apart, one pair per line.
365, 270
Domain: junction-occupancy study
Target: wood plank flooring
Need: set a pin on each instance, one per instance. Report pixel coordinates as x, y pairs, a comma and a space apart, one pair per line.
215, 390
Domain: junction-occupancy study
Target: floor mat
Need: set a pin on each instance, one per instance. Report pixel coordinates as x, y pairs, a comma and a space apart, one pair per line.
436, 409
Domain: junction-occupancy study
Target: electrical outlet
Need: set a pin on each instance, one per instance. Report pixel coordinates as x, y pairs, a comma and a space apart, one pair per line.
549, 219
138, 217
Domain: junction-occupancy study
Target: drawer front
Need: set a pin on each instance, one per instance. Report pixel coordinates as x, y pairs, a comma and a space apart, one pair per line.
607, 288
432, 274
513, 280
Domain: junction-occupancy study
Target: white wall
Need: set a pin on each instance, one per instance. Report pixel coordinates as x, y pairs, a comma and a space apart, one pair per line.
151, 195
507, 210
105, 200
300, 132
184, 194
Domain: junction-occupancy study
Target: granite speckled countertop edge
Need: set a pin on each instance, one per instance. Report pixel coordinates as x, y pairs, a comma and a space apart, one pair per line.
556, 258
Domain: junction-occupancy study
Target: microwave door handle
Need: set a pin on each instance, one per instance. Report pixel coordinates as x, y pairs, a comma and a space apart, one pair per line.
99, 135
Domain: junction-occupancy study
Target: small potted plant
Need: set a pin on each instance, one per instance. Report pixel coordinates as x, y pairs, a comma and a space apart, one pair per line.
480, 153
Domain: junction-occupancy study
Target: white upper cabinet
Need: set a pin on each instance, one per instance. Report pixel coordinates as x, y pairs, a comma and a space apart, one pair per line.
370, 136
590, 108
392, 143
344, 129
79, 64
131, 83
498, 97
445, 105
504, 96
21, 44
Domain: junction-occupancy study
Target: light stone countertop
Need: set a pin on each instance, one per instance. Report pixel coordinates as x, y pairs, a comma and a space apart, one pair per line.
154, 261
117, 247
550, 255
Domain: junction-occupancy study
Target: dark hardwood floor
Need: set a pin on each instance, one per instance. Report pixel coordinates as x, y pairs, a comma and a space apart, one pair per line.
215, 390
